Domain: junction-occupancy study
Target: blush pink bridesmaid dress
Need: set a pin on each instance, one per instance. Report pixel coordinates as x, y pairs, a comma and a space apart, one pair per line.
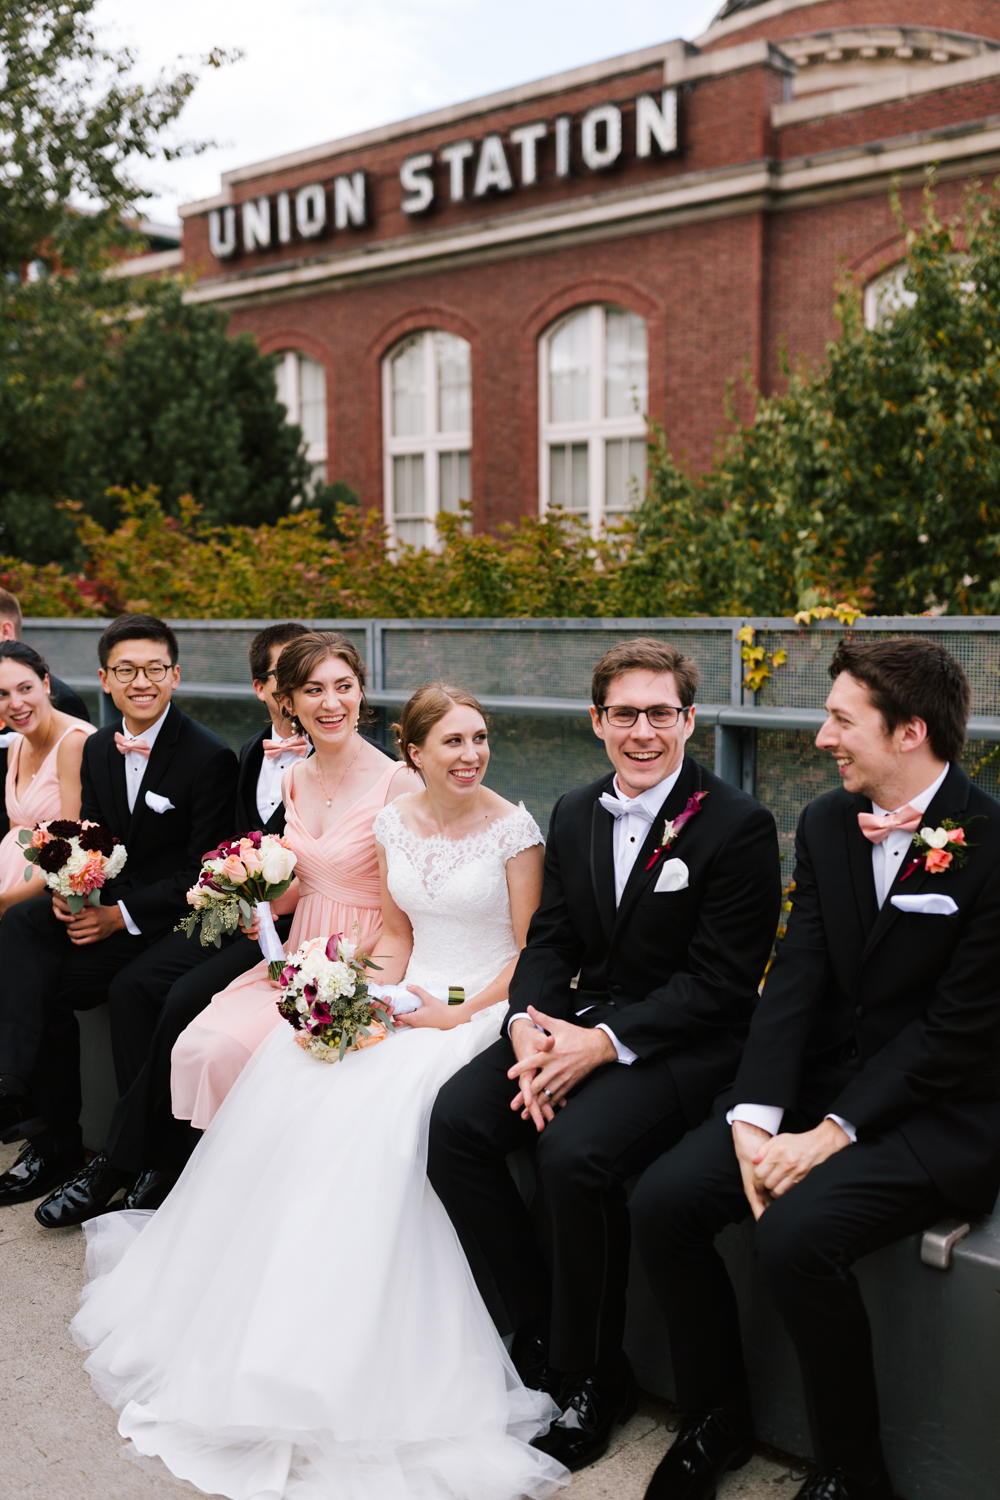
338, 892
40, 802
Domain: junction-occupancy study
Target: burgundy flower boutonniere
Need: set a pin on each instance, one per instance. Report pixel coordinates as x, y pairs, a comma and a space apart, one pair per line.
672, 829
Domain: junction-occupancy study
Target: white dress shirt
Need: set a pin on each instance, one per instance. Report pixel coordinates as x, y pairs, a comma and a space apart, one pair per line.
887, 859
135, 770
629, 836
269, 781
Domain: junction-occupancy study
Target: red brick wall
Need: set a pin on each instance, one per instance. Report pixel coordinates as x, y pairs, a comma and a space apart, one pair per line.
979, 17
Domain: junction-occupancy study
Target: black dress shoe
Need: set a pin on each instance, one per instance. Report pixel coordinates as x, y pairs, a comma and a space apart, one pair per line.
836, 1484
591, 1410
708, 1444
148, 1190
530, 1357
84, 1195
33, 1175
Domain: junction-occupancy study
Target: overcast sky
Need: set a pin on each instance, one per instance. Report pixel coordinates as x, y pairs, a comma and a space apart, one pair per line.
318, 69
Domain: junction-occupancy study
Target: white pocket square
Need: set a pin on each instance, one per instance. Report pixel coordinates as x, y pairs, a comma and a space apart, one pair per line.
159, 804
927, 904
673, 876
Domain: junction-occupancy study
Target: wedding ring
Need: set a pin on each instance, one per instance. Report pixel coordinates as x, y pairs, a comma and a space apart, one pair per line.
546, 1093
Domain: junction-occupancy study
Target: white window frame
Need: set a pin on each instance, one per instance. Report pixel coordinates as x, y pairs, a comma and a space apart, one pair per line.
596, 430
430, 443
316, 453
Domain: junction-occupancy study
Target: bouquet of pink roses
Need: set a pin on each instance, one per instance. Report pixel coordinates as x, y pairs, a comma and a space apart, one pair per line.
324, 996
73, 858
241, 879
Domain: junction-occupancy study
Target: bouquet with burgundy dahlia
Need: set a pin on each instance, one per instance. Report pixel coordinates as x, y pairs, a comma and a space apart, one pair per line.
325, 998
73, 858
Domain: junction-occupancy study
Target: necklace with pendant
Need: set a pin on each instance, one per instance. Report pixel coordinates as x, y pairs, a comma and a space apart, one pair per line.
319, 774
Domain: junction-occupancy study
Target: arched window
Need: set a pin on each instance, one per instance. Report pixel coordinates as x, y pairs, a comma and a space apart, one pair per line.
885, 294
302, 391
427, 425
593, 383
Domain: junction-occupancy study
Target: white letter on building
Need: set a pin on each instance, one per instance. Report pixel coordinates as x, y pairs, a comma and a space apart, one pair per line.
527, 137
597, 158
562, 146
418, 185
284, 220
256, 224
656, 121
222, 232
310, 210
349, 200
492, 171
456, 156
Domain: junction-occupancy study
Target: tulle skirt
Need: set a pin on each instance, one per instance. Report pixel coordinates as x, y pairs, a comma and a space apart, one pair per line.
298, 1321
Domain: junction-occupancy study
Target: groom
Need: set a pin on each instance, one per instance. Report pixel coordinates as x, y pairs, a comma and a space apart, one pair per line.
867, 1103
628, 1010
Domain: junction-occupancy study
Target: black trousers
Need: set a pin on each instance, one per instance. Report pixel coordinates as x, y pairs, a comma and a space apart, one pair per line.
163, 996
618, 1121
864, 1197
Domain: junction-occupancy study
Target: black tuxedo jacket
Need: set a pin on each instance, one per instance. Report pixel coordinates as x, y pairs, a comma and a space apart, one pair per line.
197, 771
66, 699
673, 975
889, 1018
247, 816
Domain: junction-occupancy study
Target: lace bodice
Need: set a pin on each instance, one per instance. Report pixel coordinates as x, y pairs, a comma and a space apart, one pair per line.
454, 892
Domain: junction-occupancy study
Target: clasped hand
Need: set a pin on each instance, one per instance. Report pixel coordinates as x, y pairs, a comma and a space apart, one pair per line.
770, 1165
91, 924
549, 1067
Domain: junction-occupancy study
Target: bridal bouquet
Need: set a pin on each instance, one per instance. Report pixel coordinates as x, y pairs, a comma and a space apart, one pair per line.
325, 998
242, 878
73, 858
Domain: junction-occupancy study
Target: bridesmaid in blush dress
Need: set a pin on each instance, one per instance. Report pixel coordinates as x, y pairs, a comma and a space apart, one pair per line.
331, 802
43, 763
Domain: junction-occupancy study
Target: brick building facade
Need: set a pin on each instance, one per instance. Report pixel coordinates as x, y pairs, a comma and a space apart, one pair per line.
483, 302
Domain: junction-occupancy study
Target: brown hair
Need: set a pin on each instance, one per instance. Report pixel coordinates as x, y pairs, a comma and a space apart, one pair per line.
912, 677
300, 658
644, 654
264, 642
10, 609
424, 709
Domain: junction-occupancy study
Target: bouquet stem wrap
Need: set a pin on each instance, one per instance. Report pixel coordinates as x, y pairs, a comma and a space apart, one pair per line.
270, 943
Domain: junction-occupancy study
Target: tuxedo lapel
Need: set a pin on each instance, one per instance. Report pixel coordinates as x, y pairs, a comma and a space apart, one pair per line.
859, 857
159, 759
687, 783
119, 791
246, 788
950, 802
602, 862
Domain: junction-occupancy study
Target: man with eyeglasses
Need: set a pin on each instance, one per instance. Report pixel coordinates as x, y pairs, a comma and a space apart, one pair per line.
628, 1011
165, 786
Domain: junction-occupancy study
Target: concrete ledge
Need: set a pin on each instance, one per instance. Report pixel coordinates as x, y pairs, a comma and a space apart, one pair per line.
903, 85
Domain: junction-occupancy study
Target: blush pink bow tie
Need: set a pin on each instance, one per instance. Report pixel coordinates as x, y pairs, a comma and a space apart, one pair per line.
139, 746
296, 743
876, 829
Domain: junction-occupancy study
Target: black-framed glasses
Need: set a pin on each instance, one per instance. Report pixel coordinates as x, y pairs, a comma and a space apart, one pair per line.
154, 671
659, 716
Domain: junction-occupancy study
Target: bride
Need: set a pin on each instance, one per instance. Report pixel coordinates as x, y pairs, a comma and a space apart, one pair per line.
298, 1320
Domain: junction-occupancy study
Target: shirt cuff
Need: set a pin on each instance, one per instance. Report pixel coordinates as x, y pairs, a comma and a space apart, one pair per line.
522, 1015
765, 1116
624, 1054
846, 1127
129, 924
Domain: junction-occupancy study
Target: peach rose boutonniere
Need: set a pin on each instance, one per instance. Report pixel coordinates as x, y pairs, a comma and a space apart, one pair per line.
939, 849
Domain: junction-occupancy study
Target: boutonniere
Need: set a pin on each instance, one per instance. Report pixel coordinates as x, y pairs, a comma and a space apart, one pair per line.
939, 849
672, 829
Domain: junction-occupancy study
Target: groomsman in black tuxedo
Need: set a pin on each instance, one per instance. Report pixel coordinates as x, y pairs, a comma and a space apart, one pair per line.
165, 786
629, 1006
867, 1102
155, 999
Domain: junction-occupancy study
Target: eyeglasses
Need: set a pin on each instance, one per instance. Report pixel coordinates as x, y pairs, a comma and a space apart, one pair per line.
153, 671
660, 716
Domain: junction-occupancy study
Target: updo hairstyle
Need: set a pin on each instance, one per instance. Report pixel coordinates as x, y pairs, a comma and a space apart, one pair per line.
27, 655
423, 710
299, 660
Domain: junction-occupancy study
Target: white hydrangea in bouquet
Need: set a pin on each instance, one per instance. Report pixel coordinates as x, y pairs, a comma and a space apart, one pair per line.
75, 859
325, 997
241, 879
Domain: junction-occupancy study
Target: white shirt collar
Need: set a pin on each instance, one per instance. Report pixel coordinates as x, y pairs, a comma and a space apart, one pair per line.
149, 735
653, 798
920, 803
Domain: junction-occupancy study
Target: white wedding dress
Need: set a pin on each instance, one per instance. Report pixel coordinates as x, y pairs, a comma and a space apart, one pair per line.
298, 1321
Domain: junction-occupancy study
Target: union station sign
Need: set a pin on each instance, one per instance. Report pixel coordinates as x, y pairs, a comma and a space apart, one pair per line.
463, 170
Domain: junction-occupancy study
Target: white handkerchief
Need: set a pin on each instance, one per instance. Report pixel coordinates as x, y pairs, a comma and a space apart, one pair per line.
159, 804
673, 876
927, 904
401, 1000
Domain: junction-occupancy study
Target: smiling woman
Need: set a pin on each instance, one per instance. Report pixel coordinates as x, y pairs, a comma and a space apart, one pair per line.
43, 763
